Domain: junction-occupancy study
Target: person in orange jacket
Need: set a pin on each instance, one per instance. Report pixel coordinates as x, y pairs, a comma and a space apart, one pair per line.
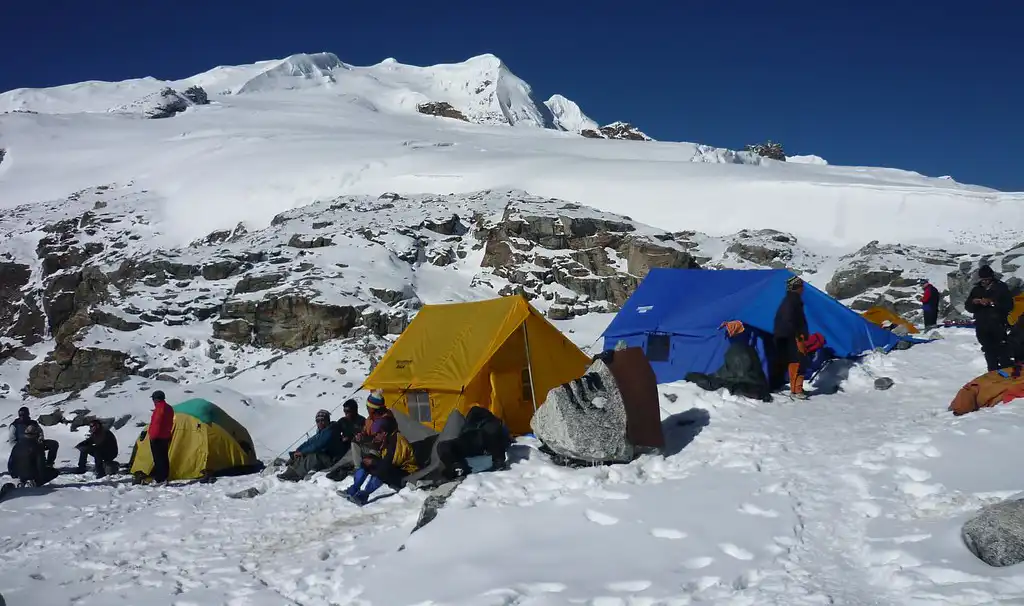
161, 428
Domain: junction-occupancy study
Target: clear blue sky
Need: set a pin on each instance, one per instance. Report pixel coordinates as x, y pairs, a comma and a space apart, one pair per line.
936, 87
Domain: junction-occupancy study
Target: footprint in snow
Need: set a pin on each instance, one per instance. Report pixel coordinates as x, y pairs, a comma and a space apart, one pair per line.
698, 563
534, 588
628, 586
667, 533
600, 518
754, 510
917, 475
735, 551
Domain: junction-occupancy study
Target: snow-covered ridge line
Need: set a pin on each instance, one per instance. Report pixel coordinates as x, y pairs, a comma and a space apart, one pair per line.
483, 88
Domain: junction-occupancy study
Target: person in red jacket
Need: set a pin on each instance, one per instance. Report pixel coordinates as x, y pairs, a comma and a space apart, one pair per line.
930, 304
161, 427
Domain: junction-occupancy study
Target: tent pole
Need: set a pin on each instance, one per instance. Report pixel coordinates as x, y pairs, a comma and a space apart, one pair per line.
529, 367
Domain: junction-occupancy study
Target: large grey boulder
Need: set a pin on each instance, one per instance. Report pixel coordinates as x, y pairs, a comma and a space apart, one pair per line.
996, 533
585, 419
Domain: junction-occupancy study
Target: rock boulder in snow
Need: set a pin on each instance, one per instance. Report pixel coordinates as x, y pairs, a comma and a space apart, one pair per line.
442, 109
585, 419
196, 95
616, 130
996, 533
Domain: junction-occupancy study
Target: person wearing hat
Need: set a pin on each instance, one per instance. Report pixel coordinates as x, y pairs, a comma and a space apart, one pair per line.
790, 332
23, 422
930, 304
370, 438
991, 303
319, 452
161, 429
394, 462
27, 462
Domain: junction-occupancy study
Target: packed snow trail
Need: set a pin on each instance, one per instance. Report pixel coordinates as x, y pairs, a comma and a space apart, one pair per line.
854, 498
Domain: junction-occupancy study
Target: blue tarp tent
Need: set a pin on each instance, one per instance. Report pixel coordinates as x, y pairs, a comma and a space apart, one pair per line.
675, 316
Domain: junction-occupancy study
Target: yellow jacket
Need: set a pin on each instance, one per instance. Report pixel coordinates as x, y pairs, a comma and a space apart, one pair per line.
403, 456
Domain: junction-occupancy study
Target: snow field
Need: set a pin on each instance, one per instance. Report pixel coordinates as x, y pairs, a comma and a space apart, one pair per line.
851, 498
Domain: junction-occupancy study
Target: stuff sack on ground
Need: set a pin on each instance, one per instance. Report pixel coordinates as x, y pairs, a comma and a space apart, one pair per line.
742, 372
443, 456
991, 388
609, 415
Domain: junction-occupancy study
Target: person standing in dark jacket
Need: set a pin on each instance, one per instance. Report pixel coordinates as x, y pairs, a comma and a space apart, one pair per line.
930, 304
161, 429
101, 445
790, 332
28, 459
991, 303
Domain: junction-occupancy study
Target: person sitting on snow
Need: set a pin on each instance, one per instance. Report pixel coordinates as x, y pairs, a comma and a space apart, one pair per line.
396, 460
363, 440
369, 439
351, 422
17, 430
28, 459
317, 453
101, 445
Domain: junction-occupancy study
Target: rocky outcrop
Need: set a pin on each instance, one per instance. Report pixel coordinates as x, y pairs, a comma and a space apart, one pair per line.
599, 256
70, 368
288, 321
888, 275
616, 130
196, 94
442, 109
1009, 267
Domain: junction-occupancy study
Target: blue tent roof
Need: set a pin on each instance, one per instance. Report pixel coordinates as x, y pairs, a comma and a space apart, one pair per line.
693, 303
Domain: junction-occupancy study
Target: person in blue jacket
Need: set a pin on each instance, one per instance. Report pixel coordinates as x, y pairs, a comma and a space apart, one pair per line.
317, 453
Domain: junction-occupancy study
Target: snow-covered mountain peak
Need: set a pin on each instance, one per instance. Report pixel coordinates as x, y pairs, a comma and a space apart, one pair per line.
568, 116
297, 71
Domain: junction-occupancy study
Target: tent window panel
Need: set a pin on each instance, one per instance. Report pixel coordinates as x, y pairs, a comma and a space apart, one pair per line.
527, 391
658, 347
419, 406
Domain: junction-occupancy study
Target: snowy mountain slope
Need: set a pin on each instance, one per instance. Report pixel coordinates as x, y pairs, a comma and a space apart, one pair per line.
568, 116
256, 155
482, 88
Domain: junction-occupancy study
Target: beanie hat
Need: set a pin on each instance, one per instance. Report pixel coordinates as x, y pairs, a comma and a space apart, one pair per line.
986, 272
158, 396
375, 400
323, 414
794, 283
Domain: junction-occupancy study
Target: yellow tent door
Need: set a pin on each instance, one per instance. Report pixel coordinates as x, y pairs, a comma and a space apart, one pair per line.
1018, 309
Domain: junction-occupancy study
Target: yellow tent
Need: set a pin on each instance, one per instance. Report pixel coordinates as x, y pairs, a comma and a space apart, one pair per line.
877, 315
206, 442
1018, 309
500, 354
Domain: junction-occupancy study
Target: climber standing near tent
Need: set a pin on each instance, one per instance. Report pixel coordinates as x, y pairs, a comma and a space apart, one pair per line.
161, 428
790, 332
930, 304
991, 304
